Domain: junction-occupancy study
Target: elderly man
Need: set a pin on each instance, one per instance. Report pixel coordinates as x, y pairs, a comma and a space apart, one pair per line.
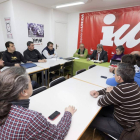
99, 54
82, 52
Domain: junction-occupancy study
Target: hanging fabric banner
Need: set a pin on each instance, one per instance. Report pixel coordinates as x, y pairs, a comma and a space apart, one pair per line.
111, 28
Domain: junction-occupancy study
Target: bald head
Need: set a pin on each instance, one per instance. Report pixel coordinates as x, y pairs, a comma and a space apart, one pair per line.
82, 47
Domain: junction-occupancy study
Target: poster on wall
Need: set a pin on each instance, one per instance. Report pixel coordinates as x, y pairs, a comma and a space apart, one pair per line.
111, 28
35, 30
37, 42
8, 28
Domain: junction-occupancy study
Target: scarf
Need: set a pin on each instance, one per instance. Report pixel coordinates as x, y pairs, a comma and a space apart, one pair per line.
24, 103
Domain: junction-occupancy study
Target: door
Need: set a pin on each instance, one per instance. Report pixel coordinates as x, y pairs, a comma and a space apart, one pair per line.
61, 39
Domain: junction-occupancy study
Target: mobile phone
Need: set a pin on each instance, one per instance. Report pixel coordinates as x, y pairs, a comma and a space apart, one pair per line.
104, 77
54, 115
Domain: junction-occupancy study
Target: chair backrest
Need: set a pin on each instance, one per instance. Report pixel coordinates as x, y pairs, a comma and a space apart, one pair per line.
80, 71
38, 90
54, 68
57, 81
91, 66
67, 64
2, 52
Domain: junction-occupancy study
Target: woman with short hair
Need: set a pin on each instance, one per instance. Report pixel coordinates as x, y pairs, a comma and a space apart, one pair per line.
16, 120
119, 53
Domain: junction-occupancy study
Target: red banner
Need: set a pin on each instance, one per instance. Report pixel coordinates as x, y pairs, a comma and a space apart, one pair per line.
111, 28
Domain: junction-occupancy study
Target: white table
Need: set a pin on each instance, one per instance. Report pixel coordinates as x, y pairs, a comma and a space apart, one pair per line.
50, 63
94, 74
70, 92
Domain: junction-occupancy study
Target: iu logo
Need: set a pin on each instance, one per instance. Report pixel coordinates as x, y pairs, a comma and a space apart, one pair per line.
108, 33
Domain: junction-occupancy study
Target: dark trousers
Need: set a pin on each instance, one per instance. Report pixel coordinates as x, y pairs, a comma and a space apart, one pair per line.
106, 122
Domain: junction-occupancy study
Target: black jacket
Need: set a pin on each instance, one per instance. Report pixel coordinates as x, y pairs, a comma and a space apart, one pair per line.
103, 55
10, 59
33, 56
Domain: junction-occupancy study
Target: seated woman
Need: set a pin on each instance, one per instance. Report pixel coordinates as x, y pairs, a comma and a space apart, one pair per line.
132, 59
119, 53
82, 52
117, 56
19, 122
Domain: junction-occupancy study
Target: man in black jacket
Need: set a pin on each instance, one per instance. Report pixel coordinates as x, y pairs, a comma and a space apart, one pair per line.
99, 54
32, 54
34, 84
11, 57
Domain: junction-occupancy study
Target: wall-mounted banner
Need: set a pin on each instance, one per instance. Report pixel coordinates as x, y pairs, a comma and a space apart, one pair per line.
35, 30
37, 42
111, 28
8, 28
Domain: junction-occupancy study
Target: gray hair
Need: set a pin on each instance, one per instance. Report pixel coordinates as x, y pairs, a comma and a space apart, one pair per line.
100, 46
121, 48
13, 81
126, 71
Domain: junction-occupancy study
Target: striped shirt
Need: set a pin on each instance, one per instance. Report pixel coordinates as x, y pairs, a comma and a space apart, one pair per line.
126, 100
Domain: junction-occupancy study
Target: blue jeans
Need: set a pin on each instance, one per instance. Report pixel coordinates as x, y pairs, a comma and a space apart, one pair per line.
106, 122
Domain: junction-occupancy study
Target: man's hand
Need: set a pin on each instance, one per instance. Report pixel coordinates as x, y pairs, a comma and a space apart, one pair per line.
94, 93
101, 62
71, 109
88, 59
17, 65
109, 89
29, 61
41, 61
48, 54
45, 60
112, 69
81, 55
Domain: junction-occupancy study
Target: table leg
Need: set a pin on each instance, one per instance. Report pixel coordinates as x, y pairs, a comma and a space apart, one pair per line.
46, 77
72, 70
42, 78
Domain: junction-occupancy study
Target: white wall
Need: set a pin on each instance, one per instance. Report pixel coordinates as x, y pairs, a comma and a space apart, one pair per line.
6, 11
2, 47
22, 13
29, 13
73, 24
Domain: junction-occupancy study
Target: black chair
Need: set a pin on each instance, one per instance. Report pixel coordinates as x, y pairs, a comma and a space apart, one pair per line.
38, 90
67, 67
57, 81
80, 71
56, 70
91, 66
2, 52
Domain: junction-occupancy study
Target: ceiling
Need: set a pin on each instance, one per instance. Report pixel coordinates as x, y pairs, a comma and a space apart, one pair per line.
91, 5
1, 1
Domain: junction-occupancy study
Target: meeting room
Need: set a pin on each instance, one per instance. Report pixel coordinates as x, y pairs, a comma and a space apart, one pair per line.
69, 69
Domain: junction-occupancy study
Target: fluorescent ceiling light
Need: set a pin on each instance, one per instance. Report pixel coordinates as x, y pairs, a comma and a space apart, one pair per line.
69, 4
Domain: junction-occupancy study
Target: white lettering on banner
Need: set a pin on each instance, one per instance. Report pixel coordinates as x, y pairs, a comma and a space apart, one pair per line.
108, 33
81, 28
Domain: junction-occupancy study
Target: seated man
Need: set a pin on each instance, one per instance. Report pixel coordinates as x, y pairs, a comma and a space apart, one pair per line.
49, 52
130, 59
99, 54
34, 84
120, 103
32, 54
82, 52
11, 57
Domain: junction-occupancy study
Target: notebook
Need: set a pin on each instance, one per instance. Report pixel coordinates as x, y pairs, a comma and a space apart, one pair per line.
28, 65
